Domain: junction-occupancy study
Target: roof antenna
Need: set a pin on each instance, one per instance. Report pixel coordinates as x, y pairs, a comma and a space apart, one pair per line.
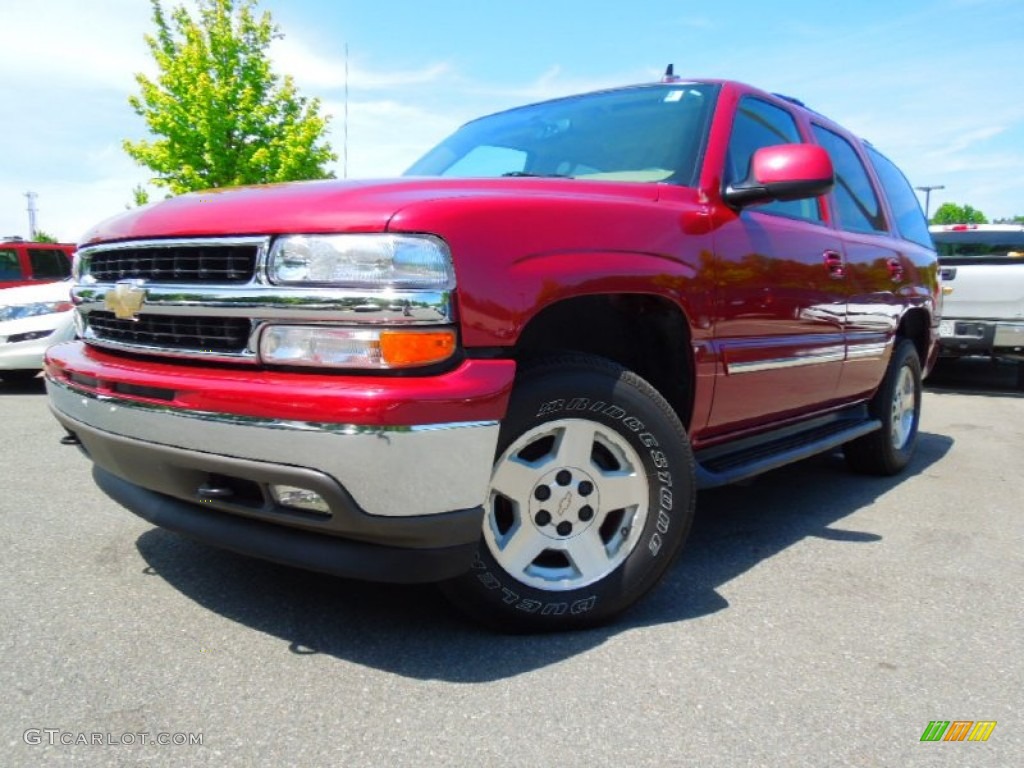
670, 75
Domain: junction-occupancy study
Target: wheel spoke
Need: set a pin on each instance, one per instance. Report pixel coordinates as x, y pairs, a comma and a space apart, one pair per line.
621, 490
588, 554
575, 445
514, 478
521, 548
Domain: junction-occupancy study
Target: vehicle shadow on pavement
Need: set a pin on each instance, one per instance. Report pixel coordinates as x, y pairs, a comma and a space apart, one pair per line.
412, 631
739, 526
36, 386
975, 376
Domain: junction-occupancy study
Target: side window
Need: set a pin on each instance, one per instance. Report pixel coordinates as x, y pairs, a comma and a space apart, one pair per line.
49, 263
10, 269
857, 205
760, 124
905, 206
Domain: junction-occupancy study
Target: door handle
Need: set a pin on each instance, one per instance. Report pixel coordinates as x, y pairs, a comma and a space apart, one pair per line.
834, 264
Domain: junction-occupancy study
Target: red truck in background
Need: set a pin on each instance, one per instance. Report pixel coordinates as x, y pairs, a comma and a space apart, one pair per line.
31, 263
510, 370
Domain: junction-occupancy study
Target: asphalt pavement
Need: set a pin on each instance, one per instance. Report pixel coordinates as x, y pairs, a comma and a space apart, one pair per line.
817, 618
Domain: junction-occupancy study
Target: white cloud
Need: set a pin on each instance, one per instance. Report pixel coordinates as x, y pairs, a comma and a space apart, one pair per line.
52, 45
385, 137
319, 71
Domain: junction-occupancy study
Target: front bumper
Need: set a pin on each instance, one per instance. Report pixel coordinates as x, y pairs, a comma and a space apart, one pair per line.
289, 546
407, 497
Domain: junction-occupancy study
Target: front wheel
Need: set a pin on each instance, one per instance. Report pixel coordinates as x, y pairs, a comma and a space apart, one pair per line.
897, 404
591, 497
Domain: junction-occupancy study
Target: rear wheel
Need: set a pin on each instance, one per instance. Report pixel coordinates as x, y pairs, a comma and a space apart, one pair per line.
590, 499
897, 404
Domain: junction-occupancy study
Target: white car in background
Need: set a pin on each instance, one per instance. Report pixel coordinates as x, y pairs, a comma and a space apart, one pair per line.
32, 317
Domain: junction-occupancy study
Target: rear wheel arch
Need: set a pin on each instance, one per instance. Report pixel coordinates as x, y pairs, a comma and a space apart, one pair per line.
915, 325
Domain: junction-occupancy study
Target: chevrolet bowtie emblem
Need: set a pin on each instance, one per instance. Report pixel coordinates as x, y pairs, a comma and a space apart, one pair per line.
126, 299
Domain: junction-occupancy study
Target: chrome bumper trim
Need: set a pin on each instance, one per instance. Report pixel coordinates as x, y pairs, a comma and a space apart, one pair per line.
392, 471
1008, 334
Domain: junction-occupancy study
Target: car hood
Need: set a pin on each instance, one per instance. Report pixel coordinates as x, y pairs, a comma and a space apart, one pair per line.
329, 206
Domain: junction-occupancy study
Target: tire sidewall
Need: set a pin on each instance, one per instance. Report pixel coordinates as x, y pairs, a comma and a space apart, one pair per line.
904, 356
620, 401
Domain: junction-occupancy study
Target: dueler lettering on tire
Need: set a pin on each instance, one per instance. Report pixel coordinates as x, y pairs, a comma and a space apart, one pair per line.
590, 499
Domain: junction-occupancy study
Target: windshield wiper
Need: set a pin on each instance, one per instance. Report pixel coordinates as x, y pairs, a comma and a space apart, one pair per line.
522, 174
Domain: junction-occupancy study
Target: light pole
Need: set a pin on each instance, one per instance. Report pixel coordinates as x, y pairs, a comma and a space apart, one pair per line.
928, 196
31, 214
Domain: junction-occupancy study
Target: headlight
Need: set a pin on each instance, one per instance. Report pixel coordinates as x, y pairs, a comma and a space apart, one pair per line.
20, 311
374, 349
77, 267
362, 261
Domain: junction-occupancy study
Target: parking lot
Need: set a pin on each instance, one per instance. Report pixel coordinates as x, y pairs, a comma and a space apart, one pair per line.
816, 618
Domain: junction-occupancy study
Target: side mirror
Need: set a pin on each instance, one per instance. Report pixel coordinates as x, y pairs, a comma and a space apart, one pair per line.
783, 172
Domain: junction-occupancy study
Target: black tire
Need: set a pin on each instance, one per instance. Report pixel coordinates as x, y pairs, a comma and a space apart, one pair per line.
897, 404
591, 499
17, 376
1020, 375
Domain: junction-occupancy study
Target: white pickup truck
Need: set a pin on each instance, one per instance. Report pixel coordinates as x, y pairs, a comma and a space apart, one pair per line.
983, 286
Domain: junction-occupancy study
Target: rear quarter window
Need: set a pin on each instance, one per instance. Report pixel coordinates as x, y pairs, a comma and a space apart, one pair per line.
906, 208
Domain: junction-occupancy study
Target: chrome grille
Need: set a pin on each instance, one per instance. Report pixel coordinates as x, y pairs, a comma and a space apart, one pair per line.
177, 263
173, 332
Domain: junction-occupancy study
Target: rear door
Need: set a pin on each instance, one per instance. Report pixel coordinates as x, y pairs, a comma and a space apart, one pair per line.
880, 262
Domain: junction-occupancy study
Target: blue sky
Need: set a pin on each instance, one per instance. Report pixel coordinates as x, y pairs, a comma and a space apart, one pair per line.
937, 86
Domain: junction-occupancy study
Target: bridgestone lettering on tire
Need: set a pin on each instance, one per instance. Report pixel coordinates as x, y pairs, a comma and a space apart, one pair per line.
897, 404
590, 499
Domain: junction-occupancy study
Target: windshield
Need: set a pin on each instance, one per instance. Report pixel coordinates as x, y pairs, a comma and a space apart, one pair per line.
977, 245
643, 134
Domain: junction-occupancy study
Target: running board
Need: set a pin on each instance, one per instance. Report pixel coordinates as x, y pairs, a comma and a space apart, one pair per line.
739, 460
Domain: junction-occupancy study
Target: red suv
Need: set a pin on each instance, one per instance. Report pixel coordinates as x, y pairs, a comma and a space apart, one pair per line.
511, 370
27, 263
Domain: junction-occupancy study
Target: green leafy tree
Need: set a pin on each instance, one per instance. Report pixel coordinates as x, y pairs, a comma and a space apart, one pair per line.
140, 197
221, 116
44, 237
1018, 219
951, 213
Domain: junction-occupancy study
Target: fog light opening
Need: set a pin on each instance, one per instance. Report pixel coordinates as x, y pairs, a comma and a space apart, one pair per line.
300, 498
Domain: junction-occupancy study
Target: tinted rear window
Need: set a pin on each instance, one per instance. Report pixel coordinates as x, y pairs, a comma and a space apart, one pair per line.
49, 263
980, 246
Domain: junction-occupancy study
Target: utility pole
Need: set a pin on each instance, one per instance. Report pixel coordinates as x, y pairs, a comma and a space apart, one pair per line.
928, 197
31, 214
